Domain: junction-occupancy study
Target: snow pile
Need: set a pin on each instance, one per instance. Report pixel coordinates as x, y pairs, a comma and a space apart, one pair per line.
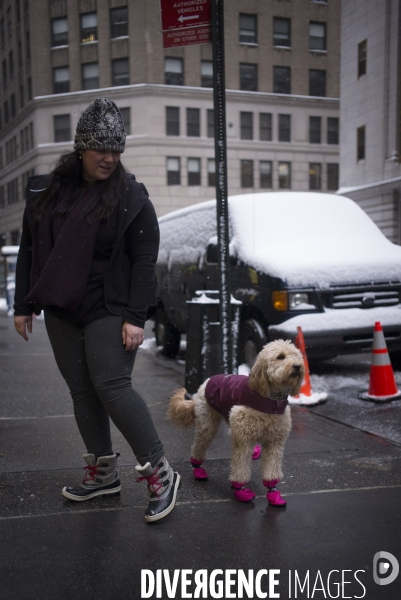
311, 239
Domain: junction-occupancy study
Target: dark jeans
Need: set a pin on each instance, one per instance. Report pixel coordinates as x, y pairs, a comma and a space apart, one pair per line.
97, 370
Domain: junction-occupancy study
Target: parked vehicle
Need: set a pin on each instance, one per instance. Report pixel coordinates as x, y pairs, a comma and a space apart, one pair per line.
297, 259
8, 261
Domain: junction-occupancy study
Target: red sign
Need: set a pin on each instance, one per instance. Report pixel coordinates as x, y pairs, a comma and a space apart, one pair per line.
177, 14
187, 37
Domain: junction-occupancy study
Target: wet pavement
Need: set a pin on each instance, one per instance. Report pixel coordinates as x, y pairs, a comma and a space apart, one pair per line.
343, 488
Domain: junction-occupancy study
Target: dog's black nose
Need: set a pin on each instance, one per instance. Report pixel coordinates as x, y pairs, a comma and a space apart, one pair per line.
296, 368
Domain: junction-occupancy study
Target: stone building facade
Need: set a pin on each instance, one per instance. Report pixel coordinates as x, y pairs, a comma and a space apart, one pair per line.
371, 110
282, 78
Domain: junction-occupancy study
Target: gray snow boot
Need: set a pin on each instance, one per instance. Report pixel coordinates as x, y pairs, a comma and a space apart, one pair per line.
163, 484
100, 479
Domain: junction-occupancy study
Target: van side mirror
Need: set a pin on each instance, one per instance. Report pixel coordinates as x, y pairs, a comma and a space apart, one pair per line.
212, 256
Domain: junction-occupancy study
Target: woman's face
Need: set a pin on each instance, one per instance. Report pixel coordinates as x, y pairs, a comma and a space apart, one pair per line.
98, 165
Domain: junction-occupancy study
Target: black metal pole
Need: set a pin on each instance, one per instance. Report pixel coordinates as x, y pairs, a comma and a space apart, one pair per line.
219, 98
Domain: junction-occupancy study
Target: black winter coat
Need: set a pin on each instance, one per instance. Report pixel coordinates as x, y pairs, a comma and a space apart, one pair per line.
130, 286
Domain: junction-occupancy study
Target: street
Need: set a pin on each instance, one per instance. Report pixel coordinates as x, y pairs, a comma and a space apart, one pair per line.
343, 488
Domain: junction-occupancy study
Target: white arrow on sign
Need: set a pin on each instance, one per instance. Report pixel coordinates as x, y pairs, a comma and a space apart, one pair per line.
182, 19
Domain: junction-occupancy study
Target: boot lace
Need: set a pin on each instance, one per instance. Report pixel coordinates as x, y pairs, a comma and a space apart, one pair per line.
90, 473
153, 482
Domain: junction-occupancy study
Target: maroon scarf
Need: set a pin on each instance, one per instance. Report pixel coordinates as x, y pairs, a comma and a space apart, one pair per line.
62, 249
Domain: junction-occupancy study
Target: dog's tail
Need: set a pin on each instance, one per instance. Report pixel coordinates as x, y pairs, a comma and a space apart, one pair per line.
181, 411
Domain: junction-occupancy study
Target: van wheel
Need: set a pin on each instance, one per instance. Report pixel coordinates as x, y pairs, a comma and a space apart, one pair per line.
167, 336
252, 340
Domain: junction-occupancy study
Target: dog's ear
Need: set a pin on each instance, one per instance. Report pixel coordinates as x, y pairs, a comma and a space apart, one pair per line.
258, 378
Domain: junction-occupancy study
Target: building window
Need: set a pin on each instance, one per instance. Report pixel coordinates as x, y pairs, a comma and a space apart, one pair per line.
11, 64
246, 125
126, 117
120, 71
360, 143
211, 172
173, 71
59, 32
17, 12
284, 128
173, 171
90, 76
210, 123
265, 169
362, 56
119, 22
172, 120
193, 122
193, 165
332, 176
265, 127
317, 36
31, 141
2, 205
6, 115
3, 32
4, 67
317, 83
21, 96
247, 173
315, 176
284, 175
28, 45
315, 130
248, 77
61, 80
247, 29
12, 192
332, 130
88, 28
19, 55
13, 106
29, 80
282, 80
9, 22
207, 73
62, 128
282, 32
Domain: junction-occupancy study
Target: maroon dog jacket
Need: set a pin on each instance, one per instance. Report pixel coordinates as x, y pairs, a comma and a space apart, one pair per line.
225, 391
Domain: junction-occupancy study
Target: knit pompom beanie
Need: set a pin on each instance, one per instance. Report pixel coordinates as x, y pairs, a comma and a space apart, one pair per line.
100, 127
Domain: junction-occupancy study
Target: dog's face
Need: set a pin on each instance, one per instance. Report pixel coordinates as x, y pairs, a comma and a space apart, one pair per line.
278, 371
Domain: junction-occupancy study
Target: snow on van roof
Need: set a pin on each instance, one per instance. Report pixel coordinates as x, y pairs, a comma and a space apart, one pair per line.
305, 238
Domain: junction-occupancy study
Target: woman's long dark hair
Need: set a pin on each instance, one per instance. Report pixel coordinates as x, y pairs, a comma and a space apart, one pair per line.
67, 178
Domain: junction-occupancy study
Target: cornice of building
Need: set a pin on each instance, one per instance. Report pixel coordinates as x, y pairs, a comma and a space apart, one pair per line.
179, 91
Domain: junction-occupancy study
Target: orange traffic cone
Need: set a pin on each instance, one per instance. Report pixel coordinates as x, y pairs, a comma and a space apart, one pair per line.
382, 386
306, 397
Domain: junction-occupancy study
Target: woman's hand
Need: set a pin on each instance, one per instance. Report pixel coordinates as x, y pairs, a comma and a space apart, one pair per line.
132, 336
22, 324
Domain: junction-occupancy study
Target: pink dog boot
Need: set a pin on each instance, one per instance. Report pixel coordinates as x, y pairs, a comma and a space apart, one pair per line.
241, 493
198, 471
273, 494
257, 451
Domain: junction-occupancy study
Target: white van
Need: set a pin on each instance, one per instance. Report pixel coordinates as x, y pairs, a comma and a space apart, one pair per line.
297, 259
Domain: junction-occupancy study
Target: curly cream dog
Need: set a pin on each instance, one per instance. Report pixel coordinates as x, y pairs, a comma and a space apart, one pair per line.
257, 411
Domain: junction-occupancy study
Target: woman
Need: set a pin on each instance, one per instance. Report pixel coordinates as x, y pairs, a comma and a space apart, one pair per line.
87, 256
